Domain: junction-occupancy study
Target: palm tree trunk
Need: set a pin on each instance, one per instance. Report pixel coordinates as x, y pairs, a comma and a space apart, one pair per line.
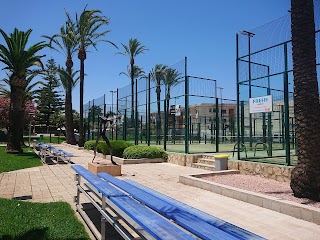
305, 178
16, 113
82, 57
68, 107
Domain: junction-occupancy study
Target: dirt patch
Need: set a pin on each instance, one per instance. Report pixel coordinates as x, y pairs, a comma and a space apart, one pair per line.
258, 184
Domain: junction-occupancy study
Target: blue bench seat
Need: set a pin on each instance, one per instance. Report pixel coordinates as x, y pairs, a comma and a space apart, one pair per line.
197, 222
157, 226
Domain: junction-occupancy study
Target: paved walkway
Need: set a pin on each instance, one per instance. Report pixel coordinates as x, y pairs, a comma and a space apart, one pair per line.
55, 182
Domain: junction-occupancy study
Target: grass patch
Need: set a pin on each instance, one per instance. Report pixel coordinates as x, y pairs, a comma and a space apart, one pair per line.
46, 139
26, 220
11, 162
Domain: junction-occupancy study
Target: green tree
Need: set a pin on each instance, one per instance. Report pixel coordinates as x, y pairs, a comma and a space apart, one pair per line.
18, 61
88, 25
49, 98
171, 79
137, 72
30, 92
132, 50
158, 76
76, 119
305, 178
65, 42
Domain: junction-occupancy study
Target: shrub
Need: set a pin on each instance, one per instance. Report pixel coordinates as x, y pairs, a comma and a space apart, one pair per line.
89, 145
117, 146
135, 152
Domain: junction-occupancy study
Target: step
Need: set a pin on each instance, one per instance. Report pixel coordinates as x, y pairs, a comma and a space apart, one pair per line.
208, 157
206, 161
204, 166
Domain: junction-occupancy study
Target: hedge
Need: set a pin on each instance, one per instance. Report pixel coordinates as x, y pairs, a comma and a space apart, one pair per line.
136, 152
117, 146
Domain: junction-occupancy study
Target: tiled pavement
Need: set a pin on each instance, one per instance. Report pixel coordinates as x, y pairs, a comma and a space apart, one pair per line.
55, 182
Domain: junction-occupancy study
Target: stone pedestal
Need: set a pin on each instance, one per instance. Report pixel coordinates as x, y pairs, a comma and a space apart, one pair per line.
114, 170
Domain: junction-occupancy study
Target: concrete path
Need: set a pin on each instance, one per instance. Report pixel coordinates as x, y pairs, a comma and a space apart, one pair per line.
55, 182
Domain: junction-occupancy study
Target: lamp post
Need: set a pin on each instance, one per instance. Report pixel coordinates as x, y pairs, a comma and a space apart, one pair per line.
249, 35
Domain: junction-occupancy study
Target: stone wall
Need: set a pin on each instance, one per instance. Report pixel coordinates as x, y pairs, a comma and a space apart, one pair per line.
271, 171
177, 158
182, 159
276, 172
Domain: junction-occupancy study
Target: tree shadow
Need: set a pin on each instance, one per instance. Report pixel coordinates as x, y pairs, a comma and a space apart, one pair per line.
38, 233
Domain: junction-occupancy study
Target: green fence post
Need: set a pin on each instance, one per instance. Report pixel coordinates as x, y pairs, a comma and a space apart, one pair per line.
146, 110
217, 125
286, 105
136, 127
88, 120
238, 96
165, 126
125, 125
269, 119
141, 129
199, 132
174, 127
242, 122
117, 114
186, 107
205, 130
264, 127
93, 119
149, 111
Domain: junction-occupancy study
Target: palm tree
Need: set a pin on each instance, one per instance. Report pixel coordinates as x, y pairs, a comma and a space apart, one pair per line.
158, 75
29, 94
87, 26
171, 79
65, 80
305, 178
137, 72
133, 49
65, 42
18, 61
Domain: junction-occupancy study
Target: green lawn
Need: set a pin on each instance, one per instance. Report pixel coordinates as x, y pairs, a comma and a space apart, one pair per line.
26, 220
46, 139
11, 162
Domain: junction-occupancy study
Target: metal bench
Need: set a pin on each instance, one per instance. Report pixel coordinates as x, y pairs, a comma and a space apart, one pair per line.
59, 155
117, 205
193, 220
44, 153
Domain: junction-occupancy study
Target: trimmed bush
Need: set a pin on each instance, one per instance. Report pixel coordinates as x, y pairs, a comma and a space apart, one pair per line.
117, 146
89, 145
136, 152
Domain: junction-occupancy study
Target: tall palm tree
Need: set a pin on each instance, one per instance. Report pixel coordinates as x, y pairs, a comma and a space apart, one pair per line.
171, 79
65, 79
132, 50
18, 61
305, 178
88, 25
65, 42
158, 76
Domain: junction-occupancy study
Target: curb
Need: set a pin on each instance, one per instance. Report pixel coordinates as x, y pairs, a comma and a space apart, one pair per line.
307, 213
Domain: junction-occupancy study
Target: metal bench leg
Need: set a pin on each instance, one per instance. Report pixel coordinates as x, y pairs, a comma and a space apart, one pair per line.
103, 219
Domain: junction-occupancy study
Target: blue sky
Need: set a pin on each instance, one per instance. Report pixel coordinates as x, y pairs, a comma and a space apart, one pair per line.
203, 30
